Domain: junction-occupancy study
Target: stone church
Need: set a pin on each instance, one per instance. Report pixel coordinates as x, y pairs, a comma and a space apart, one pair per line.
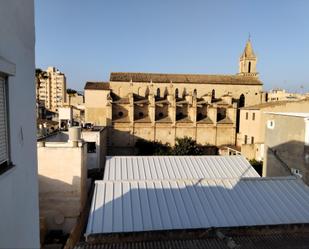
162, 107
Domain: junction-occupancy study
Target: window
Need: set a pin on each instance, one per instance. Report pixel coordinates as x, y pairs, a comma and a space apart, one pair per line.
176, 93
195, 93
246, 138
91, 147
158, 92
213, 94
4, 140
247, 115
252, 140
253, 116
270, 124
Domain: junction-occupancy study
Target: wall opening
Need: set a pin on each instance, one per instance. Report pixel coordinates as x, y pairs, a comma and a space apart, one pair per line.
176, 93
213, 94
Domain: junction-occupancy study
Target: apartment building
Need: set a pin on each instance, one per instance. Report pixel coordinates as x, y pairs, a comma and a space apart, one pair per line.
281, 94
19, 210
52, 89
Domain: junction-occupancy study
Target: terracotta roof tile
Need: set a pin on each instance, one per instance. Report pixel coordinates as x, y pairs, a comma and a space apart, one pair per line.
97, 86
185, 78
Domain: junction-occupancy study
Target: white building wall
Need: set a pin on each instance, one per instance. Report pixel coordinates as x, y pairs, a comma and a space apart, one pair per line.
19, 215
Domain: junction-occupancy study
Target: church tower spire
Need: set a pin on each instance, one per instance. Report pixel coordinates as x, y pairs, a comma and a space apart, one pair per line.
247, 61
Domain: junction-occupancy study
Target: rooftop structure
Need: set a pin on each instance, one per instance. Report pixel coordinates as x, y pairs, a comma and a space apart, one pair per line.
160, 205
176, 167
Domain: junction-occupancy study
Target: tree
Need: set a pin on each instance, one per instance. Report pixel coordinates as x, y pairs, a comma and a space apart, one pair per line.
145, 147
257, 165
186, 146
183, 146
71, 93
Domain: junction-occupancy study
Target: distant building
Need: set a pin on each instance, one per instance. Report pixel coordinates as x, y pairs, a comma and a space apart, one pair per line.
287, 144
19, 210
52, 90
75, 99
252, 122
283, 95
162, 107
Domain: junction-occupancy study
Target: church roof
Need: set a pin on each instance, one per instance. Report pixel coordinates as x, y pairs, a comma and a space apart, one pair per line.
248, 52
185, 78
97, 85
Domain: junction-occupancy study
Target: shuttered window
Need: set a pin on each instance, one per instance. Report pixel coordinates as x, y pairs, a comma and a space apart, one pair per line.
4, 155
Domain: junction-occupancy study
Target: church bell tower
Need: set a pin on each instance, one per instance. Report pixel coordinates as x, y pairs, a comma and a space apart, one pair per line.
247, 61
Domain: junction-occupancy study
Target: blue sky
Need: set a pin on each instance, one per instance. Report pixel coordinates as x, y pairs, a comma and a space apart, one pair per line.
89, 39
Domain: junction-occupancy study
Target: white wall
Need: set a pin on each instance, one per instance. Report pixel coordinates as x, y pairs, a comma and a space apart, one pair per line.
62, 183
19, 216
93, 159
65, 113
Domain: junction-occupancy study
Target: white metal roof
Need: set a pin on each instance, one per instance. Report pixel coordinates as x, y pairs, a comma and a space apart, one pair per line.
176, 167
149, 205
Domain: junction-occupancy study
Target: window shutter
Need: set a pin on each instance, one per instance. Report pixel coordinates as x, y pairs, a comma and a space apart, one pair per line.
3, 124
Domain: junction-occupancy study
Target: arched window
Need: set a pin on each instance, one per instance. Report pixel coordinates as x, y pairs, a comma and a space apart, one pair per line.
165, 92
241, 102
139, 91
249, 67
213, 94
158, 92
176, 93
195, 93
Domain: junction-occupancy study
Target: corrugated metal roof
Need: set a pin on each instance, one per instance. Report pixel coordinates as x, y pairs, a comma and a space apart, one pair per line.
273, 241
149, 205
176, 167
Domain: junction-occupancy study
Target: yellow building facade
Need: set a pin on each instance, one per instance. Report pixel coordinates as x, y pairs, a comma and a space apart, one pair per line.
163, 107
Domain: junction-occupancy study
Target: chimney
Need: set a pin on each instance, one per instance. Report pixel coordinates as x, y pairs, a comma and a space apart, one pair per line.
74, 135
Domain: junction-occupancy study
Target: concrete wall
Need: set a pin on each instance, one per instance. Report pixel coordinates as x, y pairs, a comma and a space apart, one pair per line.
95, 107
285, 147
122, 137
19, 215
62, 183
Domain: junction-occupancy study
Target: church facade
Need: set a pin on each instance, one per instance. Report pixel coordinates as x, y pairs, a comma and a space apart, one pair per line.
163, 107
